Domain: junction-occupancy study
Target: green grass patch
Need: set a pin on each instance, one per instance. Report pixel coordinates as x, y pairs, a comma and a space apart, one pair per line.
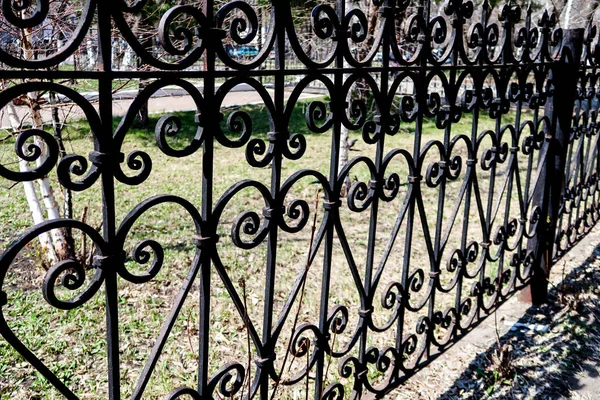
78, 356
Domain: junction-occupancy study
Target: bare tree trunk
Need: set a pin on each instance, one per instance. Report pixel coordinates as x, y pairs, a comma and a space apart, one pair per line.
46, 191
30, 194
67, 193
577, 13
143, 112
59, 242
57, 127
142, 28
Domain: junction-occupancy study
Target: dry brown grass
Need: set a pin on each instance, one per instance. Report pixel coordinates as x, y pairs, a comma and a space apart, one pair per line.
74, 341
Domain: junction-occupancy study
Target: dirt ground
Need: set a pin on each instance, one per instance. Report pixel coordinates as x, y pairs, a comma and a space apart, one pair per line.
555, 354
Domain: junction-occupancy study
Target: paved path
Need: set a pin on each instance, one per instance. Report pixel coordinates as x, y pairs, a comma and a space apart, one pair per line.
168, 101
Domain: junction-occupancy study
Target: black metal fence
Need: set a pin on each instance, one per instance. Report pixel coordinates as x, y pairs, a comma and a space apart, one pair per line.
498, 180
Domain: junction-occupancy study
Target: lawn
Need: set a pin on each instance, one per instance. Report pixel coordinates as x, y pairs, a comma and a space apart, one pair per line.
73, 342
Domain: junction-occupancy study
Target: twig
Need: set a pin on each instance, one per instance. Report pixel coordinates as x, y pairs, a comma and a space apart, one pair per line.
302, 289
189, 336
91, 255
496, 328
496, 312
5, 138
307, 342
330, 358
246, 325
115, 90
561, 292
294, 359
83, 236
93, 248
12, 185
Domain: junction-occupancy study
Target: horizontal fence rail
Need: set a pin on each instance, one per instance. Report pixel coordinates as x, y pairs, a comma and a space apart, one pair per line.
235, 252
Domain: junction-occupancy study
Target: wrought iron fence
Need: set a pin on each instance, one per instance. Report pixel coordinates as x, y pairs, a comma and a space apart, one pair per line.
479, 206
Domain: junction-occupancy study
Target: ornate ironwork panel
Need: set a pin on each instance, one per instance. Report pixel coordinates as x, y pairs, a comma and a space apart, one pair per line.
286, 270
578, 209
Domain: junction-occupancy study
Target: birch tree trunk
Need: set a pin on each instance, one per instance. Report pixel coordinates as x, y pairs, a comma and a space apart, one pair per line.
576, 13
58, 241
30, 194
57, 128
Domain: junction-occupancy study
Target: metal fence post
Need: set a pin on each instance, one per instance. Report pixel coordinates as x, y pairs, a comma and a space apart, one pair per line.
559, 108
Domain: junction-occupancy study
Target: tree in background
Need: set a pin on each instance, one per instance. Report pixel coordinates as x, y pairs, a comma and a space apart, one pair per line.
49, 36
31, 43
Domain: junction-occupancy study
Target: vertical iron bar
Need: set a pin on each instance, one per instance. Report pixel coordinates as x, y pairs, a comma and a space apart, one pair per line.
209, 227
366, 313
331, 210
535, 119
282, 13
420, 93
108, 193
471, 174
579, 174
472, 177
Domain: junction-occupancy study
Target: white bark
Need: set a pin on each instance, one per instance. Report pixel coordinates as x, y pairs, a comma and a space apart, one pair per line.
91, 54
30, 194
343, 156
577, 13
52, 210
55, 242
46, 191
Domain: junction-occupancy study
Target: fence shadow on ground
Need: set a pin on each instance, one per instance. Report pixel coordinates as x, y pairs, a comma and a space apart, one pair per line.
544, 365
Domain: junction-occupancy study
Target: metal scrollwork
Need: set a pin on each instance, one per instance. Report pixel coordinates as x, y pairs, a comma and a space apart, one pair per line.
438, 219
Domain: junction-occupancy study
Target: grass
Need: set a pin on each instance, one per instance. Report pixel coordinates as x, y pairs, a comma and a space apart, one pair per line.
73, 342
